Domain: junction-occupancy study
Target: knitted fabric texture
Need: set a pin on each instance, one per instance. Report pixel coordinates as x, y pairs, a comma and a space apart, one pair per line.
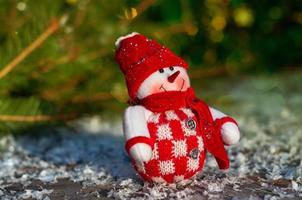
182, 129
138, 57
211, 134
178, 151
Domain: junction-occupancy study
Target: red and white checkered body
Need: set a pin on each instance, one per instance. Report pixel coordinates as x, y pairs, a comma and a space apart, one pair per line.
178, 152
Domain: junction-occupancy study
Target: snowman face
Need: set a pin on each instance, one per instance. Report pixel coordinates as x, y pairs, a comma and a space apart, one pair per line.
163, 80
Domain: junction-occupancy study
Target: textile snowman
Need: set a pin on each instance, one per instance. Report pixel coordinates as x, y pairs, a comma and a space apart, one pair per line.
167, 129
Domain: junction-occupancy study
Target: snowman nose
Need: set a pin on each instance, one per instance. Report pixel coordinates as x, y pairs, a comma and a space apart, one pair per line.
173, 76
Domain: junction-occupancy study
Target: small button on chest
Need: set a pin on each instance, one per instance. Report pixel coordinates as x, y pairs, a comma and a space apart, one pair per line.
191, 124
194, 153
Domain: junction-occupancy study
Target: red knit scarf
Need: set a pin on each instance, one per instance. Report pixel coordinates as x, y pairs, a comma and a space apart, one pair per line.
172, 100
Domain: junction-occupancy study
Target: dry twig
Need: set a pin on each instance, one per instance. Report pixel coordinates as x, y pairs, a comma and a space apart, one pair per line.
54, 25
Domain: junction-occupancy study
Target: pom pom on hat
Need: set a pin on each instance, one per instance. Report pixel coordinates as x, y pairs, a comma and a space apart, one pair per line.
138, 57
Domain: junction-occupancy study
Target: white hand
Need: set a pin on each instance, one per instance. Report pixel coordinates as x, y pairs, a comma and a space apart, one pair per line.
141, 152
230, 133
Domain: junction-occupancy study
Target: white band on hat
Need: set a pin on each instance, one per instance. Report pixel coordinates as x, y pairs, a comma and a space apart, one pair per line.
117, 42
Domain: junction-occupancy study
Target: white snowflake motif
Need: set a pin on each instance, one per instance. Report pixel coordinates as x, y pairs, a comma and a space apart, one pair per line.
158, 179
164, 132
171, 115
179, 148
188, 112
192, 164
154, 118
200, 143
166, 167
178, 178
155, 152
186, 130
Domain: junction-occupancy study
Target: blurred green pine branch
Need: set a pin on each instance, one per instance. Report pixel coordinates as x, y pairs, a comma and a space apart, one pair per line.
73, 73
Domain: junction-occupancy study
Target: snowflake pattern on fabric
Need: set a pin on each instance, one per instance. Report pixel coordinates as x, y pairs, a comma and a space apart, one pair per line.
200, 143
164, 132
154, 118
192, 164
155, 152
188, 112
166, 167
170, 115
179, 148
178, 178
178, 153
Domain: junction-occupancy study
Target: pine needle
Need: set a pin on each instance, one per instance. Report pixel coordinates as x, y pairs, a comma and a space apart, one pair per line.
144, 5
53, 27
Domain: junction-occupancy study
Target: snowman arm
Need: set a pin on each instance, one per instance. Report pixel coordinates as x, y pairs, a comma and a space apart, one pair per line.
216, 114
138, 142
228, 126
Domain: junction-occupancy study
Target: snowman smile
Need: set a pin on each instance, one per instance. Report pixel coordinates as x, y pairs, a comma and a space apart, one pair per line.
182, 85
164, 89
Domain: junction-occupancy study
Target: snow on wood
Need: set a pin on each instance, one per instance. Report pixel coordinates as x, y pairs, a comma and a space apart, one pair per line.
86, 159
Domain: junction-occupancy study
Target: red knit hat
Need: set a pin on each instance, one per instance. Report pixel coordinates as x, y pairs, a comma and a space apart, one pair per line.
139, 57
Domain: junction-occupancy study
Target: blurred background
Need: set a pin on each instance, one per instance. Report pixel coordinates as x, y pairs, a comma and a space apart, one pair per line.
57, 56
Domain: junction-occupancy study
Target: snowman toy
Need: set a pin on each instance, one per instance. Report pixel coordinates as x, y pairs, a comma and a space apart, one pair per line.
167, 129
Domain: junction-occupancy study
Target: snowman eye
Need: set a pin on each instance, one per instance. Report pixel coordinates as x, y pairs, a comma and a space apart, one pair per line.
161, 70
171, 68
